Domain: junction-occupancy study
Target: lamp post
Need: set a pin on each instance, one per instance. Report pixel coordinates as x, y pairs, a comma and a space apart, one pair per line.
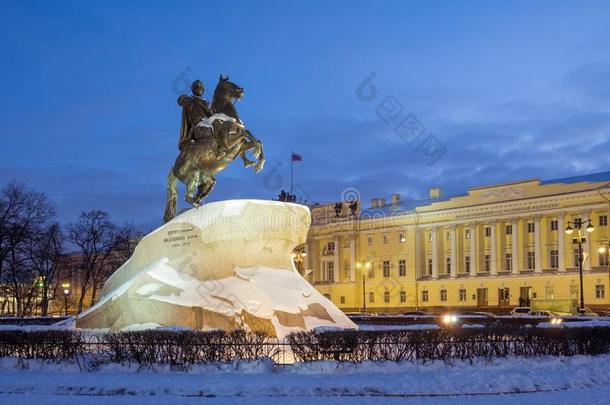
66, 291
363, 266
579, 240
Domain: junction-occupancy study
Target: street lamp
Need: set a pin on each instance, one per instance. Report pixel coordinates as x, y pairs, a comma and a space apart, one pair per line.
577, 225
364, 266
66, 291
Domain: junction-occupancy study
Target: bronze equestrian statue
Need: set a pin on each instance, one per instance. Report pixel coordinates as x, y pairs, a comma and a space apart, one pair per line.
210, 139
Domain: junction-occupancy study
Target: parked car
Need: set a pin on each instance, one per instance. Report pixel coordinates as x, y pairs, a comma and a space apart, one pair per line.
586, 312
520, 311
542, 314
488, 315
464, 318
416, 313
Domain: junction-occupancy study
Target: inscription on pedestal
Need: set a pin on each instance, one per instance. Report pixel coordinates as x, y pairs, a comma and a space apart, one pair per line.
180, 237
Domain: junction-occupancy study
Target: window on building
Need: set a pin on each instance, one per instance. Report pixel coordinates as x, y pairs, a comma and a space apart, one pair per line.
424, 295
448, 264
372, 271
402, 238
509, 229
530, 227
369, 240
386, 268
574, 294
603, 258
554, 255
600, 291
508, 261
327, 296
462, 294
531, 260
603, 220
487, 263
371, 297
549, 292
402, 268
386, 297
403, 296
330, 271
554, 224
576, 257
342, 299
443, 295
487, 231
467, 234
429, 267
330, 247
467, 264
386, 239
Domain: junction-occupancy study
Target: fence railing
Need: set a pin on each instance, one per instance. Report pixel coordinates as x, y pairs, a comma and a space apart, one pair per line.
186, 348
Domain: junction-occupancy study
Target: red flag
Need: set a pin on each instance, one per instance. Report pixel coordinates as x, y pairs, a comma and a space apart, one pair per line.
296, 158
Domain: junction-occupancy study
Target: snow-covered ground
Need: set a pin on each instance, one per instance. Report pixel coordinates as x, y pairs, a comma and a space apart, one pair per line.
597, 396
505, 381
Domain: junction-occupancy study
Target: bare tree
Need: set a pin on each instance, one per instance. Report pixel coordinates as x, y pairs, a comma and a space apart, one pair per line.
102, 245
44, 252
23, 212
122, 249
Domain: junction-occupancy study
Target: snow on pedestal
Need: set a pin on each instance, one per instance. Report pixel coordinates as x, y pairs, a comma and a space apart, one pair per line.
225, 265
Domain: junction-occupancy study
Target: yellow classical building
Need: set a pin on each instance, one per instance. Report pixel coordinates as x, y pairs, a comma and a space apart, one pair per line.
493, 248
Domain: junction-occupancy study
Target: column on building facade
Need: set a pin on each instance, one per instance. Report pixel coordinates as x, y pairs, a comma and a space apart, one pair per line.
561, 243
474, 256
454, 252
586, 247
515, 251
336, 261
309, 257
493, 247
420, 254
537, 246
352, 258
434, 232
316, 261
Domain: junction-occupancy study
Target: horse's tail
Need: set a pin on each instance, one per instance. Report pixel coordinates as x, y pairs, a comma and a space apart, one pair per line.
172, 196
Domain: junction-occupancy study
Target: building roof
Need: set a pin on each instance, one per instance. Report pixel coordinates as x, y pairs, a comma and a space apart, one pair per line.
405, 206
590, 178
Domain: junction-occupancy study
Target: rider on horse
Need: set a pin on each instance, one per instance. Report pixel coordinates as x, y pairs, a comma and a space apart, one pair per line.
194, 109
210, 139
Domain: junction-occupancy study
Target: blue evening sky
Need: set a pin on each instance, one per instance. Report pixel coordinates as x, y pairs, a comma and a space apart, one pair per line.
510, 90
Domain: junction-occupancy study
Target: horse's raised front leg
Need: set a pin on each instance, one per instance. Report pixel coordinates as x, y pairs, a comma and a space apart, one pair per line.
244, 157
205, 188
258, 152
192, 187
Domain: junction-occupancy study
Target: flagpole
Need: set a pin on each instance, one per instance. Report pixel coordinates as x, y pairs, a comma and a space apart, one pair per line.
291, 163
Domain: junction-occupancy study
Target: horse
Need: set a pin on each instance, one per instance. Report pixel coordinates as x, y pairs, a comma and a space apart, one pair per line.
216, 142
